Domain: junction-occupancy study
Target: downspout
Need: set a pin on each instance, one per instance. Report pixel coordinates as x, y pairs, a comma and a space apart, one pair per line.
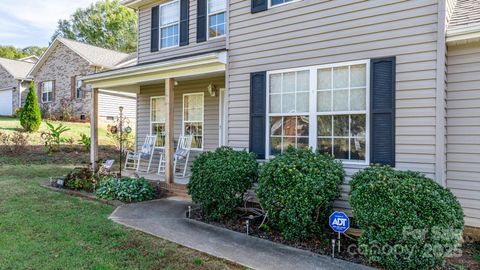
440, 103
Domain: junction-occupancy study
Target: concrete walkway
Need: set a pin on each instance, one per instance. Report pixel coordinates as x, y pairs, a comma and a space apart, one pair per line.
166, 219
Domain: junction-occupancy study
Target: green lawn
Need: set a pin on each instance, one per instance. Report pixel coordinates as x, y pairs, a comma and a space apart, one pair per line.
10, 125
42, 229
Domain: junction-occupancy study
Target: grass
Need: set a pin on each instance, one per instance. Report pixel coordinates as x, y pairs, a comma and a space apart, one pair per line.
10, 125
41, 229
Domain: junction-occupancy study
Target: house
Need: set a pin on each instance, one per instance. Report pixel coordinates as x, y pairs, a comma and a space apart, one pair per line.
367, 81
59, 90
13, 83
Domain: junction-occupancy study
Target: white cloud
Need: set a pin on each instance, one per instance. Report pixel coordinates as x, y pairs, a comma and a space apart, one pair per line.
34, 21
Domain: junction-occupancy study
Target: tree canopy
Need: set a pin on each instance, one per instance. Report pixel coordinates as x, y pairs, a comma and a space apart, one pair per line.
105, 23
11, 52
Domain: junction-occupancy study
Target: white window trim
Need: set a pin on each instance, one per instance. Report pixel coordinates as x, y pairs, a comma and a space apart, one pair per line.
151, 130
313, 107
43, 91
208, 21
281, 5
203, 117
168, 25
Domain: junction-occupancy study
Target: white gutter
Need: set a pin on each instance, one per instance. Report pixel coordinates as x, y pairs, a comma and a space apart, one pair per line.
463, 34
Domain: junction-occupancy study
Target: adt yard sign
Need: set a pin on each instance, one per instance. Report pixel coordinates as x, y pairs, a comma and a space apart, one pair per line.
339, 222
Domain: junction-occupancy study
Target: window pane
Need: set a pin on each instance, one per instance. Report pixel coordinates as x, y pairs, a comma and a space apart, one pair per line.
276, 126
169, 36
340, 100
303, 81
289, 126
324, 125
324, 101
302, 143
358, 125
288, 82
276, 83
288, 141
276, 103
193, 108
302, 126
340, 77
275, 145
216, 5
324, 146
340, 125
358, 99
358, 76
159, 130
278, 2
170, 13
216, 25
357, 147
288, 103
324, 78
340, 148
302, 102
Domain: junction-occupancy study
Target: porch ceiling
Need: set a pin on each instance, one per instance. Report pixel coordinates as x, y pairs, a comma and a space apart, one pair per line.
131, 78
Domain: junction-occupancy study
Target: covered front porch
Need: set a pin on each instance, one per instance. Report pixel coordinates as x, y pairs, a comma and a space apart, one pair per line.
179, 97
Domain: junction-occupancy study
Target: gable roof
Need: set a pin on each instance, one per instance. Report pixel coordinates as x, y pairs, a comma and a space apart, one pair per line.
31, 59
95, 56
18, 69
464, 26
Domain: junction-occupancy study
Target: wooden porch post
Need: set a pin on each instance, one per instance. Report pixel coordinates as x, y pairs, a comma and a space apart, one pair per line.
169, 151
94, 130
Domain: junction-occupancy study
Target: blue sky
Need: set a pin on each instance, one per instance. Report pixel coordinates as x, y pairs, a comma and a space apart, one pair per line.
33, 22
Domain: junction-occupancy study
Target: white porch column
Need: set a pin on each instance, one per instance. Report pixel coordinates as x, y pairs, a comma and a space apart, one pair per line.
94, 130
169, 140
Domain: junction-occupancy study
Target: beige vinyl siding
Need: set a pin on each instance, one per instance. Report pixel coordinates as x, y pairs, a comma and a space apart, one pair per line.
450, 7
144, 54
313, 32
463, 128
109, 103
211, 110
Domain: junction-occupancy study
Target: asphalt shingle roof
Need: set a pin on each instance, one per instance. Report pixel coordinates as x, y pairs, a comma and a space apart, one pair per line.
18, 69
466, 13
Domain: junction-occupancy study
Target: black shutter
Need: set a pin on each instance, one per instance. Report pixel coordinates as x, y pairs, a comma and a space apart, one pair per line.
382, 111
184, 18
259, 5
154, 37
258, 88
201, 20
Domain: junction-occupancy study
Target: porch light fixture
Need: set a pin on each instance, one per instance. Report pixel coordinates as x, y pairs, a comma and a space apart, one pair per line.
212, 90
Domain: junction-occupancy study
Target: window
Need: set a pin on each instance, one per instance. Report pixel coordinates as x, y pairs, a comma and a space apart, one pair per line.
157, 119
325, 108
193, 107
216, 18
280, 2
169, 24
47, 91
78, 89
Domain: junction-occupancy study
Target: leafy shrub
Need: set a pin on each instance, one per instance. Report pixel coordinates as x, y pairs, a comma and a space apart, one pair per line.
85, 141
297, 189
219, 180
125, 189
18, 112
30, 117
53, 138
409, 221
15, 143
81, 179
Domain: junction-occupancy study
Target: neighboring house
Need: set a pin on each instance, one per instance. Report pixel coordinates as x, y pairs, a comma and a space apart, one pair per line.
13, 83
366, 81
60, 92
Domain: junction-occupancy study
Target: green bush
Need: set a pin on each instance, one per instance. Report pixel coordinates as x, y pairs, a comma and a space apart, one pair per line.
297, 189
30, 118
219, 180
81, 179
125, 189
409, 221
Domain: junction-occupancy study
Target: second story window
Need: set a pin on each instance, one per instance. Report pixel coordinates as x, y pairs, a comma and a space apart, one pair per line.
216, 18
169, 24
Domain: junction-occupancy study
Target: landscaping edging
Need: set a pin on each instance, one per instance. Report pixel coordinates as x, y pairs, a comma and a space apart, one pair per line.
81, 194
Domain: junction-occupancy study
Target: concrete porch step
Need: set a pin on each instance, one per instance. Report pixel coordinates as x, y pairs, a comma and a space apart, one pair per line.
175, 190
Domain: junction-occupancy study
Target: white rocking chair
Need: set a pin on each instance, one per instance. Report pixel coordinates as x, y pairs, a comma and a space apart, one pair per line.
182, 154
134, 159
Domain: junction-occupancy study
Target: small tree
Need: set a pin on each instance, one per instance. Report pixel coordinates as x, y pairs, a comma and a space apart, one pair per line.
30, 118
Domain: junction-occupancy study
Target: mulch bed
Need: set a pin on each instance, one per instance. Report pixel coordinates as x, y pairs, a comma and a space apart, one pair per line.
323, 244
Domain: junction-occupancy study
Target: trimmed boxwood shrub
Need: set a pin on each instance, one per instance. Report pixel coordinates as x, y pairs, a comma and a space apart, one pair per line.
409, 221
219, 180
297, 189
125, 189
